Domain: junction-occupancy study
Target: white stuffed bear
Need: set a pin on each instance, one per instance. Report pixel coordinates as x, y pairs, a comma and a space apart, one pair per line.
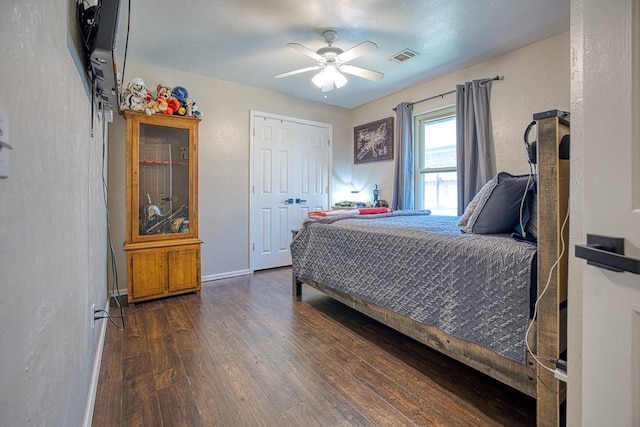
135, 96
192, 108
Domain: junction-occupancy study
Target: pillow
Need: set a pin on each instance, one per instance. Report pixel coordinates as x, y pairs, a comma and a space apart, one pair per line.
482, 194
532, 226
498, 211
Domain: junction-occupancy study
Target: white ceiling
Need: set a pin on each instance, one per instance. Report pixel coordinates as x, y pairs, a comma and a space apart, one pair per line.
245, 41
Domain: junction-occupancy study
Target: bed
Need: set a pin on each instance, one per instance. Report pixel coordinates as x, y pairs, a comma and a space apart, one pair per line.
466, 294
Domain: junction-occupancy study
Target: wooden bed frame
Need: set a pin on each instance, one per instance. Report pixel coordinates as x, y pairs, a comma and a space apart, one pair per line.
549, 339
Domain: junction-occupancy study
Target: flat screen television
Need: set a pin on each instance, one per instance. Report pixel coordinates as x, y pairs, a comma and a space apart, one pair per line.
98, 29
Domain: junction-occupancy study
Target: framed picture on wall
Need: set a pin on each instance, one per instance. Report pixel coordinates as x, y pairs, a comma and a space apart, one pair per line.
373, 141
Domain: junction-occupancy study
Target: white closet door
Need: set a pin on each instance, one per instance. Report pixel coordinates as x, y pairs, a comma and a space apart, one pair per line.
290, 170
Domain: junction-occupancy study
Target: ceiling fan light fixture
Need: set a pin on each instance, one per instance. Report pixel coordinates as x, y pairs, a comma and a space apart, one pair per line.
329, 78
340, 80
333, 63
319, 79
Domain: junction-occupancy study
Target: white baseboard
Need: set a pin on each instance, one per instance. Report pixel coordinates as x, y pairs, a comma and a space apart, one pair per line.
207, 278
225, 275
121, 292
95, 372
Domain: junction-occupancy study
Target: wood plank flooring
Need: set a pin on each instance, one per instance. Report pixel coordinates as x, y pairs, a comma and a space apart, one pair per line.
244, 353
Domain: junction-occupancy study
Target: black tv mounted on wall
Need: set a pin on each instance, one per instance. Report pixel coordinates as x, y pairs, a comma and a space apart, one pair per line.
98, 29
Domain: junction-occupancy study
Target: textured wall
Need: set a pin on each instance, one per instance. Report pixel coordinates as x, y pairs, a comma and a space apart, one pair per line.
52, 228
536, 79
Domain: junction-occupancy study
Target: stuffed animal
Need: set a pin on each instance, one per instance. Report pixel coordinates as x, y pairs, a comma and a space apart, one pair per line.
151, 107
196, 112
188, 107
167, 103
135, 96
192, 109
172, 106
162, 103
163, 90
181, 94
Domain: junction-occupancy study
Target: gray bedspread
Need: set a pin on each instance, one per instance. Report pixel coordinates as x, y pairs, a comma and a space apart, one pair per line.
475, 287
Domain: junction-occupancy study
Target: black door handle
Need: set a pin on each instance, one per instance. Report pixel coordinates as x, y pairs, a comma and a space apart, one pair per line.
608, 253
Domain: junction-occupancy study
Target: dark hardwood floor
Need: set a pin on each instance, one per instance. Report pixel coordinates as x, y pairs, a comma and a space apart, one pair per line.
244, 353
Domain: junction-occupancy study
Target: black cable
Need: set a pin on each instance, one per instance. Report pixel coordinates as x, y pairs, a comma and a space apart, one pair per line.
93, 103
115, 292
86, 15
126, 43
110, 317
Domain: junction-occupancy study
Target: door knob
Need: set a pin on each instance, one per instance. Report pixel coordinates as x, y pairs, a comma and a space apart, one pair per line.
608, 253
288, 202
301, 201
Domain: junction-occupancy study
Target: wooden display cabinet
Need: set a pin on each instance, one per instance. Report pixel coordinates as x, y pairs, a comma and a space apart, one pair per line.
163, 248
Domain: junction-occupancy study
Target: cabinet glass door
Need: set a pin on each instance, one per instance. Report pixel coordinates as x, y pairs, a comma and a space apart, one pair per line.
163, 180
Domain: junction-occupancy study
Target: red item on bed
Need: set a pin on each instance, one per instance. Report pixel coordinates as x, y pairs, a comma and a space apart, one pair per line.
369, 211
361, 211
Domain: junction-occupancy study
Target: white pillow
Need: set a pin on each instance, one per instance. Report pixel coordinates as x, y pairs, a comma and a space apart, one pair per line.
483, 194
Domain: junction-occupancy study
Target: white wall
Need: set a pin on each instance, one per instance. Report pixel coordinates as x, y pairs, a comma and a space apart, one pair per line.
52, 227
536, 79
223, 161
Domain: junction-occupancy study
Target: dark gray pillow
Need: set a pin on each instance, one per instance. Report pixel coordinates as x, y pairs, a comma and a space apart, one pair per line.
532, 225
499, 211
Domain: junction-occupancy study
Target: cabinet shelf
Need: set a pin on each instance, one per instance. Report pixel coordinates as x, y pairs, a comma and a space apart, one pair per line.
162, 163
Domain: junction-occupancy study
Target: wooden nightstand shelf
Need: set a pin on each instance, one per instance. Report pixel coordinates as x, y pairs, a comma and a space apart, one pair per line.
163, 248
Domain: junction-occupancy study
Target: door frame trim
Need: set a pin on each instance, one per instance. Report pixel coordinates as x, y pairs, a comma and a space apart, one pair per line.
253, 115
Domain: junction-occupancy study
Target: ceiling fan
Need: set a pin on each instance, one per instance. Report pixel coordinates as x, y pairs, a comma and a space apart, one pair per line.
332, 62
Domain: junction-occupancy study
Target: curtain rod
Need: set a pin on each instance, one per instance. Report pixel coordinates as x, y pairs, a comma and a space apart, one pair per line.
442, 95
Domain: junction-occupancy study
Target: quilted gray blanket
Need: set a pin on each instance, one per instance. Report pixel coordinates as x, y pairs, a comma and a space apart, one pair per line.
475, 287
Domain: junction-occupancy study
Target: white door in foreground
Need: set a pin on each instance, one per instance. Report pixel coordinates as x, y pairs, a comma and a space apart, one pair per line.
605, 145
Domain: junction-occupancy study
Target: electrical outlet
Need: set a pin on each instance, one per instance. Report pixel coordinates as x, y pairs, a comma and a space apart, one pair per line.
93, 316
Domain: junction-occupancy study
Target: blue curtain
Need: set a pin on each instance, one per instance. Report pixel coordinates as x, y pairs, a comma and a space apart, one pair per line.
403, 182
474, 135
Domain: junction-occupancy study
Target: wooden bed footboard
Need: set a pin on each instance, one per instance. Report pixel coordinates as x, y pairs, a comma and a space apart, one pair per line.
521, 377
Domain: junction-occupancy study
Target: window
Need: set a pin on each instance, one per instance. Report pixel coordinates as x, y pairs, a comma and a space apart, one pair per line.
436, 177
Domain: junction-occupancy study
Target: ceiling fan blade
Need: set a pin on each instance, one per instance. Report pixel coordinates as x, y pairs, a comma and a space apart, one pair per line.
361, 72
294, 72
305, 51
357, 50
